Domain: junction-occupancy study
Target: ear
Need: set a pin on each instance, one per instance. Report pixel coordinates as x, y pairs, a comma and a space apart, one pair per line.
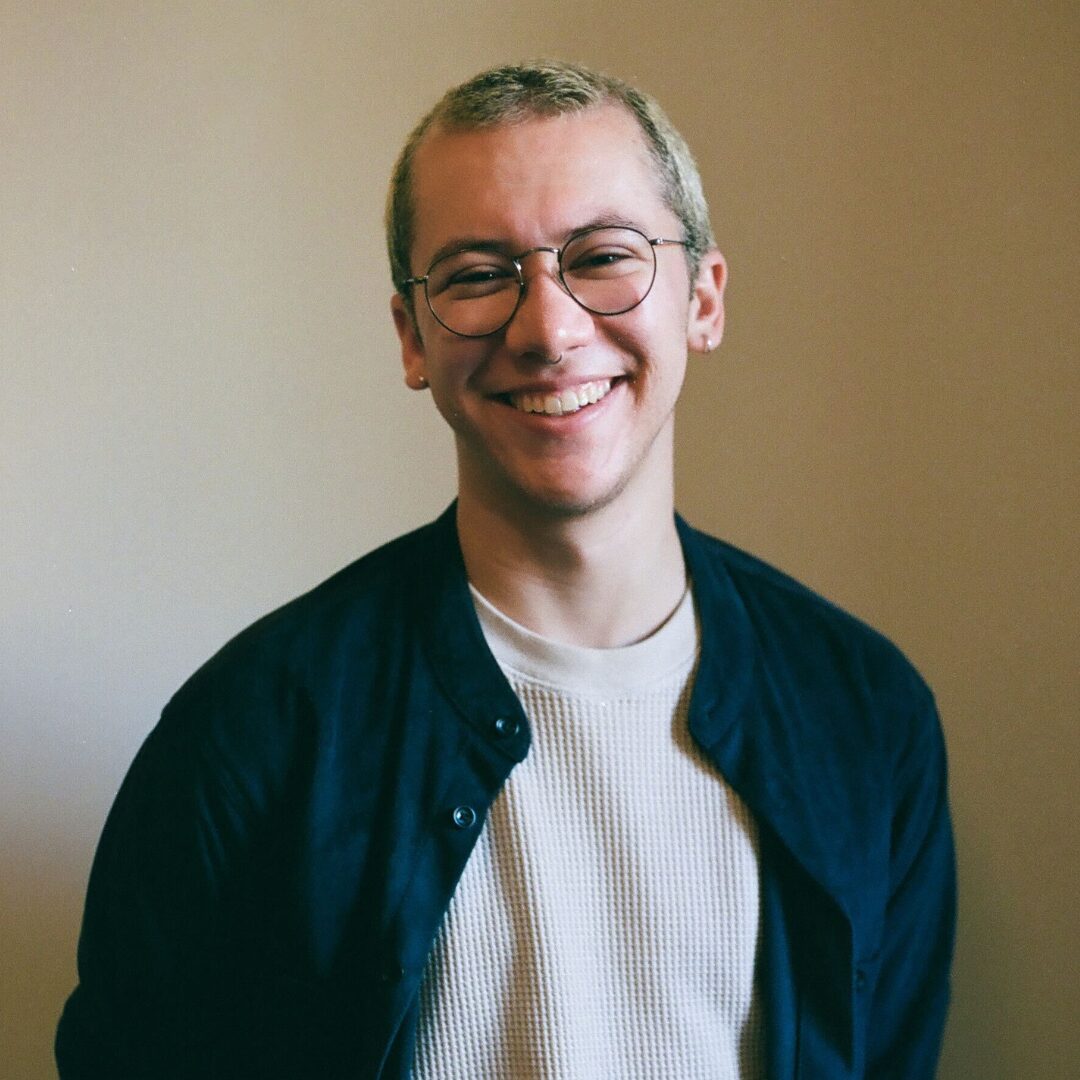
412, 346
705, 327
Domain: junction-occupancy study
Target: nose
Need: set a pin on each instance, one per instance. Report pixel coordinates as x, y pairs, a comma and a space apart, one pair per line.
549, 322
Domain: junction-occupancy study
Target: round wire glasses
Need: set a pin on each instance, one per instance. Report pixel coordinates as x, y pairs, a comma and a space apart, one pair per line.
476, 291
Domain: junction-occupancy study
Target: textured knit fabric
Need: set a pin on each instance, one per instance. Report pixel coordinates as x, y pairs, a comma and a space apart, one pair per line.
606, 924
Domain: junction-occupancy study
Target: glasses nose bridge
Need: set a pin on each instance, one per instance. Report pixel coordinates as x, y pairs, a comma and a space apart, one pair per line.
557, 275
557, 252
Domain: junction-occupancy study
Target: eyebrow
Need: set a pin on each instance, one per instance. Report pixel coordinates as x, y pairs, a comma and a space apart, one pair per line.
484, 243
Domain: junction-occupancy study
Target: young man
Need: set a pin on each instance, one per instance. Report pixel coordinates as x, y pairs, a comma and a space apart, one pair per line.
556, 786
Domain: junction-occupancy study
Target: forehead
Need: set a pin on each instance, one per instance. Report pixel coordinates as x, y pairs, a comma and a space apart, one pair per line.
533, 182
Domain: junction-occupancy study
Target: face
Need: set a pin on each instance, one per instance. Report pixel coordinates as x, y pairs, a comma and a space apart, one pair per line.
617, 377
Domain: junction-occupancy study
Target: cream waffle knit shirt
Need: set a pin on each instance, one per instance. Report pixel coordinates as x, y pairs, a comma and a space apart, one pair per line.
606, 924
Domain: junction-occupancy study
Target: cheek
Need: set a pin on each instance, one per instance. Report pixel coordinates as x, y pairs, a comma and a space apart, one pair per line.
450, 361
658, 336
664, 316
453, 376
447, 405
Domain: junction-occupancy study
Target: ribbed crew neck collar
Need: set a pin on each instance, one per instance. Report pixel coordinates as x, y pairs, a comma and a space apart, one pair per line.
592, 672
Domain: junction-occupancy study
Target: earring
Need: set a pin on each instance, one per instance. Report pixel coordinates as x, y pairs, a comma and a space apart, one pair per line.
709, 344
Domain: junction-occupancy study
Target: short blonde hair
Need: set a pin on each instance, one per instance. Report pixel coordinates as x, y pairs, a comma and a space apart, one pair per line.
511, 94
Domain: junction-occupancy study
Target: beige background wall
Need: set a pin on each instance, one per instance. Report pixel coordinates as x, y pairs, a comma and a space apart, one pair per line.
201, 412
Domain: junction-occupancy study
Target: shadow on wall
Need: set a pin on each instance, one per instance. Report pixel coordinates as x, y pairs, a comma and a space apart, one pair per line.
980, 1037
41, 897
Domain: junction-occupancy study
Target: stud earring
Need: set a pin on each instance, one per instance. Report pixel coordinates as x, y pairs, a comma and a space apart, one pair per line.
708, 344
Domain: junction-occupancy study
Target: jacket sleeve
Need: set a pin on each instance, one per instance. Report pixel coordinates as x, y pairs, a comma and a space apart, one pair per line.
910, 995
149, 995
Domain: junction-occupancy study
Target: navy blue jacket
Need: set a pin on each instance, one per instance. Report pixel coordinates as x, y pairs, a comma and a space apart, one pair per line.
273, 872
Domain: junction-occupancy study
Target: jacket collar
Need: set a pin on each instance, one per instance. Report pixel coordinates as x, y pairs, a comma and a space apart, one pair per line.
779, 765
461, 661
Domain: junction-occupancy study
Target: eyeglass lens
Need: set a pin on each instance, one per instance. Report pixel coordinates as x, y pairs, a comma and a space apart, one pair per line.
607, 271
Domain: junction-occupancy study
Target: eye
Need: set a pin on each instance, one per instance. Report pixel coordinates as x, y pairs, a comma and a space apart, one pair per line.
468, 274
601, 254
600, 257
603, 260
478, 275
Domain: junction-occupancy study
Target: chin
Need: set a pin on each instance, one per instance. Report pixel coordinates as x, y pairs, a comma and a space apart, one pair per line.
552, 490
561, 502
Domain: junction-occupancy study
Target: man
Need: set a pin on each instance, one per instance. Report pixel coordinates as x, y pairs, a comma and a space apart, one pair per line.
556, 786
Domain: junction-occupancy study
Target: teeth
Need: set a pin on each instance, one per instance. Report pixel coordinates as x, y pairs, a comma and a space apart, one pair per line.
569, 401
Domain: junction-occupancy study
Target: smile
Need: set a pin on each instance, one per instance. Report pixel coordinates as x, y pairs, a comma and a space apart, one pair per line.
564, 401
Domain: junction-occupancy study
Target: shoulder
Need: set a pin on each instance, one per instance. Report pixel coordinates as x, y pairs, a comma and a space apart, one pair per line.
292, 676
351, 607
810, 650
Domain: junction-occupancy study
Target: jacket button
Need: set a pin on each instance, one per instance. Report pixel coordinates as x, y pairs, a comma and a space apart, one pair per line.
860, 979
506, 726
464, 817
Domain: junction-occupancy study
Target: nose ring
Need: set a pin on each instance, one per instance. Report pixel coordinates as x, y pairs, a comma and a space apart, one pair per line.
551, 360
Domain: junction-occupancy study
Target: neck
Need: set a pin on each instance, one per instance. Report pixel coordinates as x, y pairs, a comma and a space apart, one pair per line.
603, 579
